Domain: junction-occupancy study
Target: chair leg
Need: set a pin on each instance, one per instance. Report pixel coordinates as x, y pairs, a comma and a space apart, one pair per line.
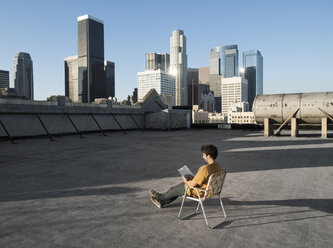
225, 216
203, 211
181, 207
197, 207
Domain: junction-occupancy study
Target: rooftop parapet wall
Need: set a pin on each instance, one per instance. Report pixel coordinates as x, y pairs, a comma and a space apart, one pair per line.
61, 105
59, 116
169, 119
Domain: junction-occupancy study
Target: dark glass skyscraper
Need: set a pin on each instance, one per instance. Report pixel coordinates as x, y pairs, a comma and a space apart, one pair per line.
91, 58
4, 79
109, 78
87, 75
23, 75
192, 85
253, 69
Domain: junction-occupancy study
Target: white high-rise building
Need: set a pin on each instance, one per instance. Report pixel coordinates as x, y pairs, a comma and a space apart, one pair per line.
234, 89
178, 65
159, 80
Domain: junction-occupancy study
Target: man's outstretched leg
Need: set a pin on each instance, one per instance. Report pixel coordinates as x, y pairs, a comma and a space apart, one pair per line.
171, 195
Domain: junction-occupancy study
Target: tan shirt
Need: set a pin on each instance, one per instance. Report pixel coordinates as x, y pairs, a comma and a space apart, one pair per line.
202, 177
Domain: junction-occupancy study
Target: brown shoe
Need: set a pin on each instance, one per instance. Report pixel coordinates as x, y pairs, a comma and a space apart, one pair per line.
153, 193
156, 202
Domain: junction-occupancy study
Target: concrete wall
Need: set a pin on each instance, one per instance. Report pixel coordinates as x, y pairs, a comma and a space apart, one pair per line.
169, 119
19, 117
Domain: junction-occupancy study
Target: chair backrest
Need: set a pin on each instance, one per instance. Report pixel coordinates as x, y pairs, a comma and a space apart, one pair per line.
215, 184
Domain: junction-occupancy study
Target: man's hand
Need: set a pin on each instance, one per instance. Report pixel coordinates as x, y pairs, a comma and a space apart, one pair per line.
189, 182
189, 177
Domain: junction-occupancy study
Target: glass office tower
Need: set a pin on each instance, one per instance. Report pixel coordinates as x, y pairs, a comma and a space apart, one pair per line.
72, 78
109, 78
224, 61
23, 75
215, 76
223, 64
88, 75
192, 86
91, 58
229, 63
253, 66
4, 79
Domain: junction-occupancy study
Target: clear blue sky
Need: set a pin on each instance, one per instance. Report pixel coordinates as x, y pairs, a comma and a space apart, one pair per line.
294, 37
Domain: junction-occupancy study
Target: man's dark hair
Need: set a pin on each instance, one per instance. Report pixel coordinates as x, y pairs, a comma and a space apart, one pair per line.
209, 149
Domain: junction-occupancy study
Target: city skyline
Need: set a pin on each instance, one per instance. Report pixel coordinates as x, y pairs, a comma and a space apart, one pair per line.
129, 35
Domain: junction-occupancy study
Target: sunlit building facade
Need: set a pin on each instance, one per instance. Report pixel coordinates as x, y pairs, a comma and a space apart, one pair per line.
159, 80
178, 66
233, 90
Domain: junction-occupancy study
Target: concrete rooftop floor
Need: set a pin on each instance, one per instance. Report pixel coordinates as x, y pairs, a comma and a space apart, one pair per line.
93, 192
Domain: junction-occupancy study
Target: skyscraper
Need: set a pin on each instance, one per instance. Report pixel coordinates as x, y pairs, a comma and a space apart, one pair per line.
158, 61
159, 80
203, 75
92, 72
178, 65
215, 76
223, 64
233, 90
192, 86
224, 61
135, 95
215, 61
23, 75
109, 76
203, 82
229, 61
253, 72
4, 79
72, 79
91, 57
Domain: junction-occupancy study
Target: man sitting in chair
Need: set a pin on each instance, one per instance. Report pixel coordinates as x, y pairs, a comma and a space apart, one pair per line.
200, 180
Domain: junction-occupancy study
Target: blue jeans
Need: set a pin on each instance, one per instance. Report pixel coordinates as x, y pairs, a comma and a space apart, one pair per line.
172, 194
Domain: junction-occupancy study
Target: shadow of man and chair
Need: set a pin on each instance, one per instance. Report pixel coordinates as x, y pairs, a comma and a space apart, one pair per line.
250, 216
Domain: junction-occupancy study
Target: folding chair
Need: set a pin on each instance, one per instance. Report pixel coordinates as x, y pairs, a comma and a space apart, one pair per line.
214, 188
